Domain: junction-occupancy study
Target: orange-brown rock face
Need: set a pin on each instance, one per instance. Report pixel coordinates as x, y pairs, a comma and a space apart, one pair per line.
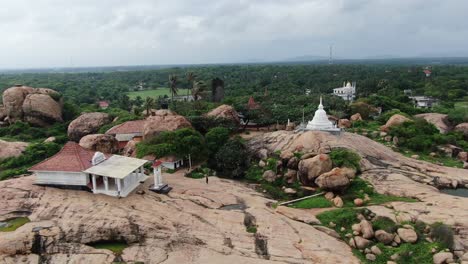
164, 120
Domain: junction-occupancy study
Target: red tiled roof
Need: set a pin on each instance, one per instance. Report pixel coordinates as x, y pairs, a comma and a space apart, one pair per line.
128, 127
72, 158
427, 71
156, 163
252, 104
103, 104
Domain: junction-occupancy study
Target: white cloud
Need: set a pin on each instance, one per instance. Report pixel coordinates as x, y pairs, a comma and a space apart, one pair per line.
44, 33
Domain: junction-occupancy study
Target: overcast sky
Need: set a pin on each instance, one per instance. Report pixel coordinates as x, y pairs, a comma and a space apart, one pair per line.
52, 33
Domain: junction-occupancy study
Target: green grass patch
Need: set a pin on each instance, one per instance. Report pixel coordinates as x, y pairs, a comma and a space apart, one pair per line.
14, 224
359, 188
343, 217
384, 223
446, 161
115, 246
150, 93
252, 229
313, 202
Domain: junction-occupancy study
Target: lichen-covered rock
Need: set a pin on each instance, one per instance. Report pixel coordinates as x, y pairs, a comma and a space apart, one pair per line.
334, 180
87, 123
226, 112
407, 235
438, 120
310, 169
384, 237
395, 120
164, 120
100, 142
11, 149
269, 176
37, 106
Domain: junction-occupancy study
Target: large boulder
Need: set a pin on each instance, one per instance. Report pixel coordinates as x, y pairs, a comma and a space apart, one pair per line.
438, 120
334, 180
164, 120
3, 113
87, 123
226, 112
344, 123
384, 237
100, 142
310, 169
407, 235
11, 149
38, 106
130, 148
395, 120
356, 117
463, 127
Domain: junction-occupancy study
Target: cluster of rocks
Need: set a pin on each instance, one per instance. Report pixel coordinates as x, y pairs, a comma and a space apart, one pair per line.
310, 169
37, 106
346, 123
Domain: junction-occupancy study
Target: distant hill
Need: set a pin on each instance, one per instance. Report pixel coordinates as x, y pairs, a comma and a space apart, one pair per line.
306, 58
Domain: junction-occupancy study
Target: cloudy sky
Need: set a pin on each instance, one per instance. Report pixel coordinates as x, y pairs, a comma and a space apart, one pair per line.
52, 33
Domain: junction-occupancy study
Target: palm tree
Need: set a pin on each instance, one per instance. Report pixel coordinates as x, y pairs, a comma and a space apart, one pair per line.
198, 88
191, 79
173, 86
149, 103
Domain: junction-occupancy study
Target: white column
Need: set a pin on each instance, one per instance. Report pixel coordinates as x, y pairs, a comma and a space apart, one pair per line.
119, 187
106, 183
94, 182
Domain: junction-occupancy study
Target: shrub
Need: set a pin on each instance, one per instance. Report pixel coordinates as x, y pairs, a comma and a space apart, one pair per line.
232, 159
254, 173
342, 157
443, 234
384, 223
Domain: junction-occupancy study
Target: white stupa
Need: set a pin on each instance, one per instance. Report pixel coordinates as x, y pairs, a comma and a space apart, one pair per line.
320, 121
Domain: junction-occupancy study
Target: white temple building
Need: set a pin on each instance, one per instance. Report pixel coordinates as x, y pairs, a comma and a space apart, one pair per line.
320, 121
347, 92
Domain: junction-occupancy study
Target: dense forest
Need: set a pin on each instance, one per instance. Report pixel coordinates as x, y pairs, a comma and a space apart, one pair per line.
280, 89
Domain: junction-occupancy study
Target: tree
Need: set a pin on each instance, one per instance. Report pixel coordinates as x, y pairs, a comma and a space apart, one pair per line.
138, 101
232, 159
198, 88
149, 104
216, 138
191, 79
173, 85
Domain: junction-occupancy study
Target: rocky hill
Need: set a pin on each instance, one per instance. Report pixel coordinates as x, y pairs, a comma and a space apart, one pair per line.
207, 223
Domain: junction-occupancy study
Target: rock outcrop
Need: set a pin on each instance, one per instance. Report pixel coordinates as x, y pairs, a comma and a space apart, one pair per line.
164, 120
87, 123
11, 149
193, 224
311, 168
395, 120
334, 180
37, 106
356, 117
344, 123
226, 112
463, 127
438, 120
100, 142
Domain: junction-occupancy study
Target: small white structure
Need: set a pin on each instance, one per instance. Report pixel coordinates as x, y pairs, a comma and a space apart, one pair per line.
424, 101
171, 162
117, 175
347, 92
321, 121
76, 167
158, 185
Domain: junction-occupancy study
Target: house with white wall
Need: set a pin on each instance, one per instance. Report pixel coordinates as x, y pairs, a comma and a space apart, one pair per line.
127, 131
76, 167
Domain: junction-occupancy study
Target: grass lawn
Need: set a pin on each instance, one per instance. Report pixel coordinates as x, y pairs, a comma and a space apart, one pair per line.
14, 224
151, 93
115, 246
313, 202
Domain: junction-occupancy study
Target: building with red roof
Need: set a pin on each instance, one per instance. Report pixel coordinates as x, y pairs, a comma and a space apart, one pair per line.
75, 166
103, 104
427, 72
252, 105
127, 131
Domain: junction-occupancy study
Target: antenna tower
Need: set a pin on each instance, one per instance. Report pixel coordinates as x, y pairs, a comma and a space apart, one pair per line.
330, 58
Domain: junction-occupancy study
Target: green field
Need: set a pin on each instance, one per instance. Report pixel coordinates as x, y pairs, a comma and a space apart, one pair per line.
150, 93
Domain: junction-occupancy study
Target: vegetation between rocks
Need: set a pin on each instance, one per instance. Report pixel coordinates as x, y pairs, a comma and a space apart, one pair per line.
115, 246
13, 224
